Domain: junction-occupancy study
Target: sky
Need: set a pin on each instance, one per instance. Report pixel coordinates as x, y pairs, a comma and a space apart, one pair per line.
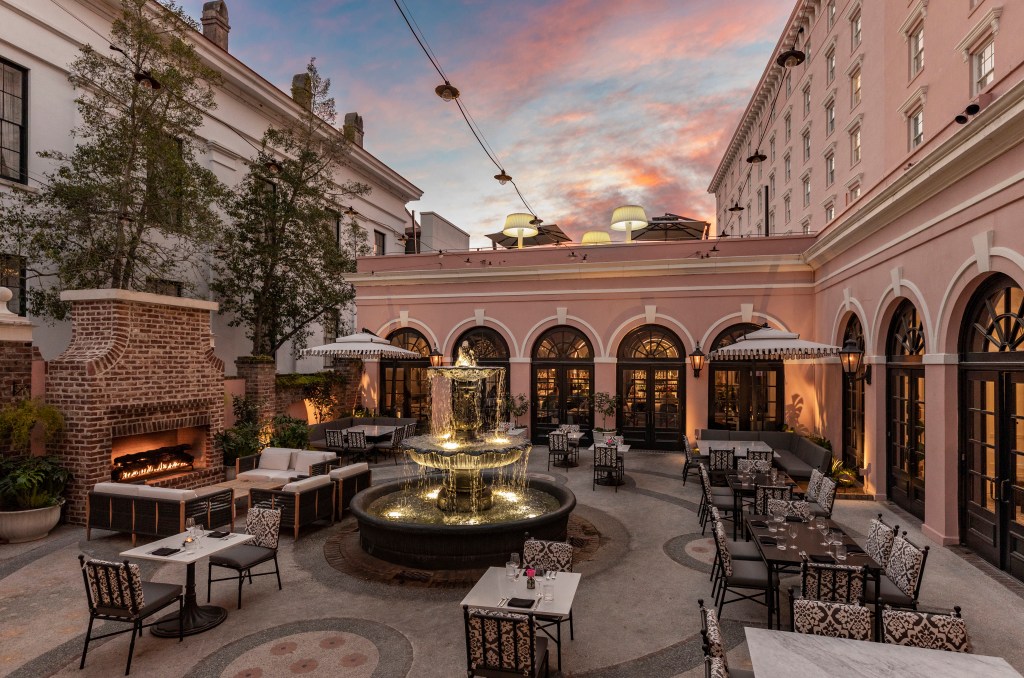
589, 104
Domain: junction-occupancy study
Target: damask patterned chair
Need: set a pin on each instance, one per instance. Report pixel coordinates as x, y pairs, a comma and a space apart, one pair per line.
608, 463
739, 549
835, 620
739, 576
555, 556
714, 648
826, 499
901, 583
753, 466
761, 455
713, 497
880, 539
930, 630
832, 583
558, 447
265, 527
788, 508
500, 643
690, 460
116, 593
814, 485
762, 493
720, 463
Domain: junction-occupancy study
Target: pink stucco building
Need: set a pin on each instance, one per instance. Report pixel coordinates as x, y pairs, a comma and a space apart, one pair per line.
905, 239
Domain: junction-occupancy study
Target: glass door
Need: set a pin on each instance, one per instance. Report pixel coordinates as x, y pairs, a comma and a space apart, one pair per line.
906, 439
561, 395
1012, 476
746, 397
651, 412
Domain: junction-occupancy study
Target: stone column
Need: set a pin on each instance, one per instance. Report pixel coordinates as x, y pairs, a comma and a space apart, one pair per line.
16, 354
942, 449
260, 374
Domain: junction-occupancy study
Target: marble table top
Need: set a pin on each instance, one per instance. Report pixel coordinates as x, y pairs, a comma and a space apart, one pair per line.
782, 654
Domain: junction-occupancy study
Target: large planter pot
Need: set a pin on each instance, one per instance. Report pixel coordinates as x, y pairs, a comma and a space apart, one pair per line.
603, 434
21, 526
230, 472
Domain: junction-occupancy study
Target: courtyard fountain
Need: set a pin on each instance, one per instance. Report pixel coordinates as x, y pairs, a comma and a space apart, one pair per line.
470, 501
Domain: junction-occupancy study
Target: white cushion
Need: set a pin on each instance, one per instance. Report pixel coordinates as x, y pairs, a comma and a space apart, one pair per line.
125, 489
303, 459
276, 459
349, 471
166, 493
262, 474
306, 484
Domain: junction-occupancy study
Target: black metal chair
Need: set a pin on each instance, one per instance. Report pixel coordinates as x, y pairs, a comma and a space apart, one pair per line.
608, 464
714, 646
762, 493
335, 440
690, 460
720, 463
552, 556
357, 446
265, 526
761, 455
500, 643
740, 575
393, 447
117, 593
558, 448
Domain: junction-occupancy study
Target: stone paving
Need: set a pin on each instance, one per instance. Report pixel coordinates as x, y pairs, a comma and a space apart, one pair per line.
635, 612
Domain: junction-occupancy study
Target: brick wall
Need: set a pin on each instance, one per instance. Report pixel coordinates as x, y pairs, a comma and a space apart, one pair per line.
348, 394
15, 371
137, 363
260, 374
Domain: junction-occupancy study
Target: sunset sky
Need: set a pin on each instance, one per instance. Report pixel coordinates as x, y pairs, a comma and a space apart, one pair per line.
589, 103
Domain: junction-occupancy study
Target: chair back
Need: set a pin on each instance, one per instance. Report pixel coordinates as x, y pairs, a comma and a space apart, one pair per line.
714, 667
114, 589
827, 495
720, 460
906, 565
930, 630
572, 428
605, 454
832, 583
705, 483
787, 508
761, 455
357, 440
398, 436
558, 441
503, 427
410, 430
335, 439
753, 466
499, 641
835, 620
264, 524
712, 631
551, 555
723, 550
762, 493
880, 539
687, 449
814, 485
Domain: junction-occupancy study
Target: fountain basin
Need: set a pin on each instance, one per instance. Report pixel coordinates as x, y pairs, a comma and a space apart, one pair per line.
455, 547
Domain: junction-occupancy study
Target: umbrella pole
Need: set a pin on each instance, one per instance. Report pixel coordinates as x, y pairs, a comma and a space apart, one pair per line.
520, 240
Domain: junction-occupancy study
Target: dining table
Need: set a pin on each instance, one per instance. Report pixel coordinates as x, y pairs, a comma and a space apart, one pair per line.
746, 486
373, 432
784, 654
174, 549
495, 590
808, 542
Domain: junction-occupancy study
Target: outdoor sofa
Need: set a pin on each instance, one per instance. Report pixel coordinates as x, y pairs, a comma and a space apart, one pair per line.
155, 511
301, 502
798, 456
348, 481
284, 464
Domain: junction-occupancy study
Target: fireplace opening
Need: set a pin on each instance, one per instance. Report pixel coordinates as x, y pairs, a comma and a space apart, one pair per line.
149, 456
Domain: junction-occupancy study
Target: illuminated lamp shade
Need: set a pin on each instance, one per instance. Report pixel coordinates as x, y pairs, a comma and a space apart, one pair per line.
517, 225
596, 238
629, 218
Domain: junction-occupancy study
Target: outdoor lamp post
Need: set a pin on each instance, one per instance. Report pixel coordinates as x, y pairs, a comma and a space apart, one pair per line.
629, 218
697, 360
520, 225
436, 357
852, 358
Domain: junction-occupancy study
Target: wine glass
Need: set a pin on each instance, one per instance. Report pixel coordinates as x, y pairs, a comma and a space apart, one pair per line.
514, 559
190, 526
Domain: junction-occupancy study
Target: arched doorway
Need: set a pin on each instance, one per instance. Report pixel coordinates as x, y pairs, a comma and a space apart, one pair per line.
744, 395
651, 362
853, 402
404, 384
563, 381
992, 426
904, 351
490, 349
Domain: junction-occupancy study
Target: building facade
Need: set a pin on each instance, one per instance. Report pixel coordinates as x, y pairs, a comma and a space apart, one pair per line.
897, 211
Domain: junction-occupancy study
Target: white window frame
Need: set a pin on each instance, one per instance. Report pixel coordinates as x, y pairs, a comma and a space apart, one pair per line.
985, 30
915, 49
830, 12
787, 164
830, 116
807, 99
856, 87
980, 80
830, 168
830, 66
830, 211
787, 209
771, 148
805, 188
805, 142
771, 186
787, 126
856, 29
913, 110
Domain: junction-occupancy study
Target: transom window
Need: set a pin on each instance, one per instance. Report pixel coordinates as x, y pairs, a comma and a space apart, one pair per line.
998, 322
907, 336
410, 340
984, 65
486, 344
13, 121
649, 343
563, 343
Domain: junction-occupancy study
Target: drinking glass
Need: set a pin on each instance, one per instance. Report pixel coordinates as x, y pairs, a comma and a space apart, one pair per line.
190, 526
548, 591
550, 574
514, 559
840, 552
792, 531
780, 541
510, 570
824, 531
772, 525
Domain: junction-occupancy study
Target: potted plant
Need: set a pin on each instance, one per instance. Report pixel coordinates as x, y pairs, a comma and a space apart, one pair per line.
31, 490
606, 405
242, 439
518, 405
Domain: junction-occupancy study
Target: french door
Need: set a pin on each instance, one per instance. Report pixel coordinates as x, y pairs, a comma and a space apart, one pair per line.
651, 415
906, 465
746, 397
406, 391
562, 394
853, 422
992, 467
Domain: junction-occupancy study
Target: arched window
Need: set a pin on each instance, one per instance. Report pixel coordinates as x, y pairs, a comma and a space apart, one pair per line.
744, 395
650, 387
992, 424
906, 335
404, 384
490, 349
905, 345
563, 381
853, 402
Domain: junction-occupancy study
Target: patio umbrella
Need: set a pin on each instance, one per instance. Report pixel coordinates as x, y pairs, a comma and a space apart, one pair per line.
546, 235
673, 227
768, 343
361, 345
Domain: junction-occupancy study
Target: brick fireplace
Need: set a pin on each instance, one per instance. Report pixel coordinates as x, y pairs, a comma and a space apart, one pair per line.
139, 376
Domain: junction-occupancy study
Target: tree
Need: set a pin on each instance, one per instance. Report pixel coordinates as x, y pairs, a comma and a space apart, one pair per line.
289, 241
130, 206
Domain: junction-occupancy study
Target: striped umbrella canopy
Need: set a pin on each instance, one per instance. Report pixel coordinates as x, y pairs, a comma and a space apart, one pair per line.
769, 343
360, 345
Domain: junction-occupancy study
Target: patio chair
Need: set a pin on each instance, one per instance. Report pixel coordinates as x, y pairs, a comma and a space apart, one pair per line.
832, 583
265, 527
814, 485
720, 463
904, 571
826, 499
753, 466
691, 460
714, 647
762, 493
116, 593
797, 509
720, 498
335, 439
739, 549
358, 448
761, 455
740, 575
608, 463
393, 447
931, 630
880, 539
553, 556
500, 643
558, 448
834, 620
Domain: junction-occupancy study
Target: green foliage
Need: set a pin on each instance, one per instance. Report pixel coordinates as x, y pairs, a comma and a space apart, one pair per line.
517, 406
280, 264
242, 439
18, 420
130, 206
31, 482
819, 440
322, 389
606, 405
289, 432
844, 477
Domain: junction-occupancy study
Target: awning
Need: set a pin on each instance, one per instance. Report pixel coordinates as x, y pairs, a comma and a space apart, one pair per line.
361, 345
771, 344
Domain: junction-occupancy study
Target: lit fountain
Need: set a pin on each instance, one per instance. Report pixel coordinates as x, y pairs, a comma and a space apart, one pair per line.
472, 501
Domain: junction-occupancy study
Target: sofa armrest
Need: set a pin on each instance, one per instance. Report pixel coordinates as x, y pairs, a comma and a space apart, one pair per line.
297, 508
247, 463
213, 510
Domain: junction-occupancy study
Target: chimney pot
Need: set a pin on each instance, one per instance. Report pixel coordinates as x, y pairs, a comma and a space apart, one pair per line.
302, 90
353, 129
215, 23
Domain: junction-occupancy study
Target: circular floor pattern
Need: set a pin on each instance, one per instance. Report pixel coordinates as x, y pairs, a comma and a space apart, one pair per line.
695, 551
346, 648
343, 552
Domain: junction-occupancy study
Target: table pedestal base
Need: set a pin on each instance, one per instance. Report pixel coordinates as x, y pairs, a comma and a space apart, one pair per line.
197, 619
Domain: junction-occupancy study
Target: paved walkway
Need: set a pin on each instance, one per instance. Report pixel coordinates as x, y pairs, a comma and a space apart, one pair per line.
635, 613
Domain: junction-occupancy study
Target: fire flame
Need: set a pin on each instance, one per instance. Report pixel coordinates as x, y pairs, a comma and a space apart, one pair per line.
151, 469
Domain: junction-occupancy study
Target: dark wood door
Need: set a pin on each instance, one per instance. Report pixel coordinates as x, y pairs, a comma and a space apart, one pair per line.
562, 394
906, 462
746, 397
853, 421
651, 415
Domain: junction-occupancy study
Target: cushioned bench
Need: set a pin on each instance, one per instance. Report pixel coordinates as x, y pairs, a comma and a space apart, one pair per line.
155, 511
798, 456
301, 502
284, 464
348, 481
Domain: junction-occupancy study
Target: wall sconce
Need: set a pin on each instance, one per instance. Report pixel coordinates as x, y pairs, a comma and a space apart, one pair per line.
852, 358
697, 361
436, 357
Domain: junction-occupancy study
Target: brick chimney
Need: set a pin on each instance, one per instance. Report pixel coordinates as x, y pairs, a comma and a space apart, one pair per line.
215, 23
354, 128
302, 90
